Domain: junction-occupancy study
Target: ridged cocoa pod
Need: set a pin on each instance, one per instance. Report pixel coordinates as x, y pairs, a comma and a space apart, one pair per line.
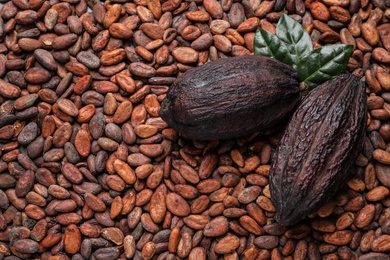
320, 144
231, 97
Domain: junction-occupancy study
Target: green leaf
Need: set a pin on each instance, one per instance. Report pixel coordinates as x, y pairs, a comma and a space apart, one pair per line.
268, 44
324, 63
295, 37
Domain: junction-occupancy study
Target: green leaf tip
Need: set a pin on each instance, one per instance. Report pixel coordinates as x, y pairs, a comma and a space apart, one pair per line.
324, 63
296, 38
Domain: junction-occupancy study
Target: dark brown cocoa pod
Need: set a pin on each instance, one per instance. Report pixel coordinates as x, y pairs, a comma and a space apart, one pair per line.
231, 97
321, 142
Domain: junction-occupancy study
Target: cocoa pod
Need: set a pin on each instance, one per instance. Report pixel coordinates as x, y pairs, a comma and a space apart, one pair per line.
231, 97
317, 148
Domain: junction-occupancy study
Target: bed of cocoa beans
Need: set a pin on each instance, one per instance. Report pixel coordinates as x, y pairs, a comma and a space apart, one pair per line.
89, 171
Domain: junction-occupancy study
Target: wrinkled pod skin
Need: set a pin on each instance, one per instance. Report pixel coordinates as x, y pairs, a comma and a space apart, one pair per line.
231, 97
320, 144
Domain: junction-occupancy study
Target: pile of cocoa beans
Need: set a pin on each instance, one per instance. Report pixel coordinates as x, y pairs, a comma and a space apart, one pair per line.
88, 169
